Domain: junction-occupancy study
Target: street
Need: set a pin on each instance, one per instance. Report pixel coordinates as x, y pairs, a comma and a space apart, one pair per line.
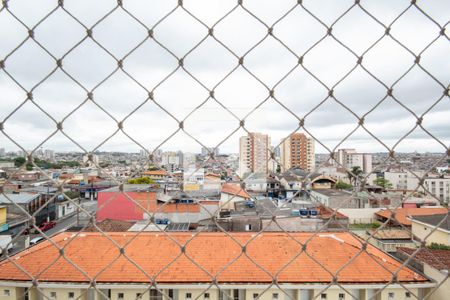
61, 225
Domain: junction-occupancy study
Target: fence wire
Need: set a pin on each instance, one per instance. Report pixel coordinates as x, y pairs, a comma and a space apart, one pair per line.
89, 24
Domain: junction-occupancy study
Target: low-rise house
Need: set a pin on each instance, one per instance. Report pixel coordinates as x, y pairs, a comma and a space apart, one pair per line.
230, 194
185, 273
157, 174
402, 216
389, 240
142, 202
3, 213
31, 204
432, 228
433, 263
335, 198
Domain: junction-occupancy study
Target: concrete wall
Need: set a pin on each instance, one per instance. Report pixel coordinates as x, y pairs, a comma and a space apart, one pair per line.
421, 231
332, 293
443, 292
359, 215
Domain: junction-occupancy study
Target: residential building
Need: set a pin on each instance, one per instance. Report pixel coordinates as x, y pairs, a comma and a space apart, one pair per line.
29, 203
389, 240
171, 160
439, 187
433, 263
402, 216
206, 151
230, 194
141, 202
304, 277
432, 228
297, 151
349, 158
254, 154
156, 174
335, 198
3, 224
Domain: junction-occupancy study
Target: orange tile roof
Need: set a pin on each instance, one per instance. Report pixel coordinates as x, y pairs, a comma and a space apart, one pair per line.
235, 190
156, 173
402, 214
212, 251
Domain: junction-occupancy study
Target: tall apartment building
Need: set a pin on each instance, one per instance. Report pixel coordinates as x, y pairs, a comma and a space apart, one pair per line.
349, 158
297, 151
254, 153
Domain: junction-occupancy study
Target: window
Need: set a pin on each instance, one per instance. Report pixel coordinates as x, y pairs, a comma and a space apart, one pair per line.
53, 295
6, 293
71, 295
407, 295
188, 295
323, 296
255, 295
120, 296
341, 296
391, 295
206, 296
275, 296
138, 295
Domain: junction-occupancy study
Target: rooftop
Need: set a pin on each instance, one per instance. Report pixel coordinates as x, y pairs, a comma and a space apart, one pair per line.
235, 190
402, 214
436, 220
22, 198
438, 259
158, 253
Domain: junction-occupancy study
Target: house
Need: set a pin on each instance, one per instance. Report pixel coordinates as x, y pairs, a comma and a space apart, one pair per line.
402, 214
230, 194
3, 224
432, 228
142, 202
389, 240
157, 174
335, 198
433, 263
321, 181
208, 265
31, 204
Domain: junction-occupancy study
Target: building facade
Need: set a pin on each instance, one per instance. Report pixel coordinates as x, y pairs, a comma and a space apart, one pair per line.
297, 151
300, 277
254, 154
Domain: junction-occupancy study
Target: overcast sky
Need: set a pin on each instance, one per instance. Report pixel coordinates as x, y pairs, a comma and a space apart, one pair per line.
210, 62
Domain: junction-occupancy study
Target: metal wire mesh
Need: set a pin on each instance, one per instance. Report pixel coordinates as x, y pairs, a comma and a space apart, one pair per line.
96, 17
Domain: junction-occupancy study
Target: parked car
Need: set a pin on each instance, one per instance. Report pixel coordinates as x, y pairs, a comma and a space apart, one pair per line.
5, 242
36, 240
47, 226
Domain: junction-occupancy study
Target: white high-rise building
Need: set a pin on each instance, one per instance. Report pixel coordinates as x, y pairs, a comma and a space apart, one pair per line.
349, 158
254, 154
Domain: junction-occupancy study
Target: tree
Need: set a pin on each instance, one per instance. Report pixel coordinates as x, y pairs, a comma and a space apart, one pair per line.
354, 174
72, 194
383, 182
278, 169
19, 161
340, 185
141, 180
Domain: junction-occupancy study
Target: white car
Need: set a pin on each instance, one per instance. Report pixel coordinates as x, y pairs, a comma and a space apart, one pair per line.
36, 240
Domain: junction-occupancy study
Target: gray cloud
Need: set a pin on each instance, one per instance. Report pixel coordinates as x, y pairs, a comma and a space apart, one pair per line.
210, 62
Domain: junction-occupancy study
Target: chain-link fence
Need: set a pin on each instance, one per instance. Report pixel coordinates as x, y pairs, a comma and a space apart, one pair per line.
101, 75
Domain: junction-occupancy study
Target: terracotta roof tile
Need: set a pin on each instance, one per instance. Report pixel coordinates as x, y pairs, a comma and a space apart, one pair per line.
213, 251
438, 259
234, 189
402, 214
